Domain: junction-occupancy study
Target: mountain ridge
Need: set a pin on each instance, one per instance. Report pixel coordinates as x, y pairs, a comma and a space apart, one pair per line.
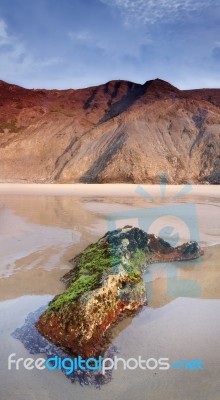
120, 131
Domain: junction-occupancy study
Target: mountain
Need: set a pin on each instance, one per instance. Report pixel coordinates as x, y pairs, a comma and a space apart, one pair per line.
117, 132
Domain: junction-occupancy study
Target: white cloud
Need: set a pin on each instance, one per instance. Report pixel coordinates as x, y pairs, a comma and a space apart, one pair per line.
11, 48
3, 32
82, 36
8, 40
47, 62
86, 38
150, 11
16, 61
111, 44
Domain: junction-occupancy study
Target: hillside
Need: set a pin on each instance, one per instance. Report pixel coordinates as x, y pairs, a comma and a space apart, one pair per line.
116, 132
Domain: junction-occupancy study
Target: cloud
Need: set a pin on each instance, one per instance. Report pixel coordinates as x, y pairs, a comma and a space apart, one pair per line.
11, 48
9, 43
82, 36
16, 60
151, 11
3, 32
47, 62
86, 38
110, 44
216, 52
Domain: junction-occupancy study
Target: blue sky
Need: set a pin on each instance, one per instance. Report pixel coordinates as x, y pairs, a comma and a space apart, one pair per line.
79, 43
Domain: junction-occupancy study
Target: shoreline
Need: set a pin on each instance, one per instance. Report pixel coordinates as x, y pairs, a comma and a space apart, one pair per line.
106, 189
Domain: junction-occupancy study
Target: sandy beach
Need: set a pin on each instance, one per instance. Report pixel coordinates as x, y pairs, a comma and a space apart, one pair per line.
104, 190
43, 226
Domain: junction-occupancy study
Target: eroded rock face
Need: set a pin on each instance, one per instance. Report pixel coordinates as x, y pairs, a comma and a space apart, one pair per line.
104, 284
107, 134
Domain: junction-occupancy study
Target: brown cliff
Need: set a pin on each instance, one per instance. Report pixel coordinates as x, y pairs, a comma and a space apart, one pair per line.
116, 132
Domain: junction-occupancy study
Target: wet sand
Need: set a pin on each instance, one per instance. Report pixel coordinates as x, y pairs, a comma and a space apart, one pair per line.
43, 226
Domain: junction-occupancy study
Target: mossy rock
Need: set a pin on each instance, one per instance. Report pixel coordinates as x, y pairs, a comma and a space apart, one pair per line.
105, 282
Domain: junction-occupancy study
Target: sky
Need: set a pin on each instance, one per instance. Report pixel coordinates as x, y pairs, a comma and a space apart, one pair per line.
79, 43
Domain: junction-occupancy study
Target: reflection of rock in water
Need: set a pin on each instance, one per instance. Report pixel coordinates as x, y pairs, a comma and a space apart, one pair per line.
35, 344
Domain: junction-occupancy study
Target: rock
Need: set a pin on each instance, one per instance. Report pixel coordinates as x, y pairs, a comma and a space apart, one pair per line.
104, 284
36, 344
214, 177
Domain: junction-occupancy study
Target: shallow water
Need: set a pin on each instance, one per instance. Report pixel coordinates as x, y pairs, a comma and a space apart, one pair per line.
40, 233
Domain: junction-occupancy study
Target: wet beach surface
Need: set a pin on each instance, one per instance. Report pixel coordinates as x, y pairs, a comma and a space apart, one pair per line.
40, 232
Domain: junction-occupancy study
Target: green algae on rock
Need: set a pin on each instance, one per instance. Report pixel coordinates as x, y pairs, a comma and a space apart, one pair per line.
105, 283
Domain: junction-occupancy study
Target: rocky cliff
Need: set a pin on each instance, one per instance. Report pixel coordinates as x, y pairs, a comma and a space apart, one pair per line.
116, 132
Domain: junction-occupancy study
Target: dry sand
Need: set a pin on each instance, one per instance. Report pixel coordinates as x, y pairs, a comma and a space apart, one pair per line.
91, 190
